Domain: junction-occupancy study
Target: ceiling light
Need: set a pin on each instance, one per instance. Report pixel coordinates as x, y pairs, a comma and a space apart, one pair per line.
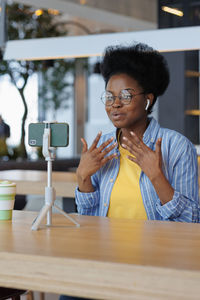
38, 12
173, 11
82, 2
54, 12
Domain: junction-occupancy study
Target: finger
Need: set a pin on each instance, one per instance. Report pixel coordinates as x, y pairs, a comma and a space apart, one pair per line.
105, 144
107, 158
133, 159
158, 147
108, 149
136, 139
96, 140
85, 146
131, 146
131, 143
133, 149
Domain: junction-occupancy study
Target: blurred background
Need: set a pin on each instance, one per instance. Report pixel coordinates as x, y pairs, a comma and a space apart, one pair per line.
69, 90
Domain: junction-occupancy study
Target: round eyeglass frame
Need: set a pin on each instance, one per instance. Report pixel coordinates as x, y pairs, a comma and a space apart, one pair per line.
121, 100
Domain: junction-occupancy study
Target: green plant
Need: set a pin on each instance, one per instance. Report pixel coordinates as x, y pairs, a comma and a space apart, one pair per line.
24, 23
55, 87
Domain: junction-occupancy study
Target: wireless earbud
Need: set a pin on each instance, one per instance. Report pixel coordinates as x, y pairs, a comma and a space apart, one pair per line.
148, 103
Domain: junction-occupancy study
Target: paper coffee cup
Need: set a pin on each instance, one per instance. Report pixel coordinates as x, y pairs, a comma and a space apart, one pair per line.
7, 199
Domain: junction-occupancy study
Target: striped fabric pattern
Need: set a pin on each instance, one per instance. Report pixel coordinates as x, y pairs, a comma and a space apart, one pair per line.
179, 166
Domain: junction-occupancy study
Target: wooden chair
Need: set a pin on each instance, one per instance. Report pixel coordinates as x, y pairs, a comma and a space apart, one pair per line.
14, 294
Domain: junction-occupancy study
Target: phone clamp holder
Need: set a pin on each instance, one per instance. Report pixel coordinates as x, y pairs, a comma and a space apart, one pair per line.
50, 193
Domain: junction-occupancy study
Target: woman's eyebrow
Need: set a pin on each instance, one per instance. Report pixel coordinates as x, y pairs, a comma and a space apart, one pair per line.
129, 89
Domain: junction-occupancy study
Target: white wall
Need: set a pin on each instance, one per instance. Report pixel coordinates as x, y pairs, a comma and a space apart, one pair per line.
12, 107
97, 117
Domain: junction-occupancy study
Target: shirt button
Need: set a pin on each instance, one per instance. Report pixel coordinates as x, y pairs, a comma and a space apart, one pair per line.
152, 140
105, 204
111, 180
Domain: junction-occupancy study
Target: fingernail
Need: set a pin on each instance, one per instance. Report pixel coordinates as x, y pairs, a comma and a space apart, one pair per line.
123, 145
132, 133
125, 138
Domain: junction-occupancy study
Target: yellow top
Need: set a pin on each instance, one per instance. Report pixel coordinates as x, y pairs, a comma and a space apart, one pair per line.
126, 199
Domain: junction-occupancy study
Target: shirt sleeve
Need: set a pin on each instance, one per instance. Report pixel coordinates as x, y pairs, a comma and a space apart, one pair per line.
184, 206
88, 203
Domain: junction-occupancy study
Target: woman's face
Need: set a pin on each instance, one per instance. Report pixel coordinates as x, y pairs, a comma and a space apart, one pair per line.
126, 115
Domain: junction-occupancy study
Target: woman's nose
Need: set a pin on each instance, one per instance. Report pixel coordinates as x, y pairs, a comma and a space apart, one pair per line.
117, 102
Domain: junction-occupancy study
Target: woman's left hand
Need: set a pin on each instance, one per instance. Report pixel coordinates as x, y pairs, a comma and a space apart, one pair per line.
149, 161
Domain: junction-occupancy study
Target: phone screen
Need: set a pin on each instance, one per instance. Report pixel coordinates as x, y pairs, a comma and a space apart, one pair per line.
59, 134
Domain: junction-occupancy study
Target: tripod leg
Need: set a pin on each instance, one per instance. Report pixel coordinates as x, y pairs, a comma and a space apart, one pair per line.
66, 215
50, 197
40, 217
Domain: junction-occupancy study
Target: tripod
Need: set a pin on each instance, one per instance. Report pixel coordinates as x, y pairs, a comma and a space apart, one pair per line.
50, 193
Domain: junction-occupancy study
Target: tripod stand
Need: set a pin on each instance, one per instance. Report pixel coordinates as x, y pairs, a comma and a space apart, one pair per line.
50, 193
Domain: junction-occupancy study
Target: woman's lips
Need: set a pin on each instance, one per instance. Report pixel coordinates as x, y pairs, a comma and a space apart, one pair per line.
117, 116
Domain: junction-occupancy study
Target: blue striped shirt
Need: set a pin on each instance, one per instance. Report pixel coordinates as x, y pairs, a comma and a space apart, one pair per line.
179, 166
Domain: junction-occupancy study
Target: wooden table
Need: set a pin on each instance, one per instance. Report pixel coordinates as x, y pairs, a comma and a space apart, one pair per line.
103, 259
34, 182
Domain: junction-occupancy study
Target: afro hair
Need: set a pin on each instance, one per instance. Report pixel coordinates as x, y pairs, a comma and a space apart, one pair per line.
139, 61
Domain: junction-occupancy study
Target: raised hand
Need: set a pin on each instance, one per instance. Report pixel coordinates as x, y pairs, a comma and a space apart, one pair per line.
149, 161
151, 164
92, 160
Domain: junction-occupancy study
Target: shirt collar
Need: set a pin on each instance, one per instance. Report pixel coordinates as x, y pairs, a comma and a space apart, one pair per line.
150, 134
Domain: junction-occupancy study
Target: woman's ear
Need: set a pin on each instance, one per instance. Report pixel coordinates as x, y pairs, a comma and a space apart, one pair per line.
148, 104
150, 96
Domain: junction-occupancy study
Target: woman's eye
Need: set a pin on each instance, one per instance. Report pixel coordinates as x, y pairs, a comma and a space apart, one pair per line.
126, 96
109, 98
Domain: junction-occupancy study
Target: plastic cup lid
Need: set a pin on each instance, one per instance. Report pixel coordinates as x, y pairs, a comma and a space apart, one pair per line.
7, 183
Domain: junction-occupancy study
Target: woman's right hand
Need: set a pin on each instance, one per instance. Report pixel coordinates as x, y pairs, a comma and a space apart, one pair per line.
92, 160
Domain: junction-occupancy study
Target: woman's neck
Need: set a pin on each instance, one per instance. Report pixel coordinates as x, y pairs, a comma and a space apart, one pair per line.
138, 130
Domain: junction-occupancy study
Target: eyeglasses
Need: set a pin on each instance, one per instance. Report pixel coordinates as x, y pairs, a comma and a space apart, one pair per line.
125, 97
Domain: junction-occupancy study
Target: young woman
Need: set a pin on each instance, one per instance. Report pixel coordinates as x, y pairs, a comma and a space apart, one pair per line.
140, 170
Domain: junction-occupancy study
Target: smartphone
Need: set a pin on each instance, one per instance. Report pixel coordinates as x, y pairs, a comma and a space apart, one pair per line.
59, 134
